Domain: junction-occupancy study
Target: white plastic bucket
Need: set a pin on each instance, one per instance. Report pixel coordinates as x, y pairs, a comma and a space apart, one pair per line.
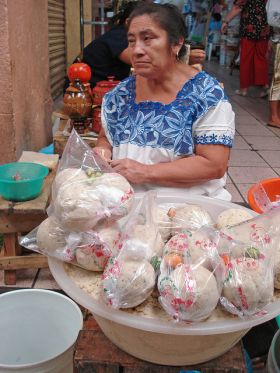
273, 358
38, 329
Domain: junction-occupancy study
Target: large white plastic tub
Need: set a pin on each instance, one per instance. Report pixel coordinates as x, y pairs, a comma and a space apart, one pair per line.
38, 329
157, 340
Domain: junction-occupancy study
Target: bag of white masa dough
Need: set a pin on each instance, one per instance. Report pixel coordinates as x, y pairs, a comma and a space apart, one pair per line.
86, 191
248, 275
188, 286
189, 217
129, 278
88, 200
259, 231
89, 250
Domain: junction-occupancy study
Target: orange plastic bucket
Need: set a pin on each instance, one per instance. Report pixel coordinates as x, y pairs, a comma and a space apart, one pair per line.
272, 189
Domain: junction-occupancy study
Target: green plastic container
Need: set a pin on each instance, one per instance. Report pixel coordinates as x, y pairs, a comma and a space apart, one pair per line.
21, 181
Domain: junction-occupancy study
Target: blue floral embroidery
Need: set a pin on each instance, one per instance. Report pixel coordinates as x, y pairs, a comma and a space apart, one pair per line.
166, 126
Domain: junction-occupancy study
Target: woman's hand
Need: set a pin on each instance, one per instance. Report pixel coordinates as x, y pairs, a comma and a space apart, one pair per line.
105, 154
224, 27
197, 56
135, 172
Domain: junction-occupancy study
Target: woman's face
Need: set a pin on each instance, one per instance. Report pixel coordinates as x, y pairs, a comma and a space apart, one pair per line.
151, 54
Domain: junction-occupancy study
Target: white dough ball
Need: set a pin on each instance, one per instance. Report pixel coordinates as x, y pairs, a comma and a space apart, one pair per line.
69, 176
78, 209
232, 217
249, 285
190, 293
189, 217
128, 283
50, 236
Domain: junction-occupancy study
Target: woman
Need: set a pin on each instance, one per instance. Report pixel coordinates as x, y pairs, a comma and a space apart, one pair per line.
167, 126
274, 94
254, 35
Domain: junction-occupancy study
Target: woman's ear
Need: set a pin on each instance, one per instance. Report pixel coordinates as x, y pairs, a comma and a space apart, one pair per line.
181, 41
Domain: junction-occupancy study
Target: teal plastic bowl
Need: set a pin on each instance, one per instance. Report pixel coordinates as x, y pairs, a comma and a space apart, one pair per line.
21, 181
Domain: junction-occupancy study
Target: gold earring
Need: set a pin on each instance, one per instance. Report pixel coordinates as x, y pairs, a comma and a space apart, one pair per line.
177, 56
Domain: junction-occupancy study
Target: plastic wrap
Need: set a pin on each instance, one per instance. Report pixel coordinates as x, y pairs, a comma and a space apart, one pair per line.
259, 231
188, 284
89, 250
248, 281
88, 202
129, 278
189, 217
86, 192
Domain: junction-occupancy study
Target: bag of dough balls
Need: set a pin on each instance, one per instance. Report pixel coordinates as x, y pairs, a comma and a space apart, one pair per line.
189, 217
248, 279
129, 278
190, 276
248, 286
232, 216
89, 250
257, 229
86, 192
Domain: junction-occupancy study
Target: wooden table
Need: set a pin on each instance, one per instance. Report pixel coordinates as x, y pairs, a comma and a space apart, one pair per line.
94, 352
59, 141
22, 217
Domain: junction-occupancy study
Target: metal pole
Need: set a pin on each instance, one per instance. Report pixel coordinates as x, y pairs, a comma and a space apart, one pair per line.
82, 24
102, 16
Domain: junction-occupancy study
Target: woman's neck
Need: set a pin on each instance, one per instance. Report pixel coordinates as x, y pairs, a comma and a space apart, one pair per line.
165, 87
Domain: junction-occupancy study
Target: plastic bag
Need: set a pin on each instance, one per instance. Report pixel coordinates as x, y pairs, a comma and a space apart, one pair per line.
190, 275
88, 201
260, 231
189, 217
129, 278
248, 280
89, 250
86, 192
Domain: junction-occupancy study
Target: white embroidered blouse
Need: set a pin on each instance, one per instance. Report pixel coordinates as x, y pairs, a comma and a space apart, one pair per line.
151, 132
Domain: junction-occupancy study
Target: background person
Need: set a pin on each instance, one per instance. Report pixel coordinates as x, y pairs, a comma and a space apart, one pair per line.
109, 54
274, 93
166, 127
254, 36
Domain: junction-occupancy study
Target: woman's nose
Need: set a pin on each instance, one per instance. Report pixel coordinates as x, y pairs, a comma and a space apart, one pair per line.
138, 48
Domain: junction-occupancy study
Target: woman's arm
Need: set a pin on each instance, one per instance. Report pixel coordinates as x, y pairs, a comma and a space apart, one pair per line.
103, 147
235, 10
209, 162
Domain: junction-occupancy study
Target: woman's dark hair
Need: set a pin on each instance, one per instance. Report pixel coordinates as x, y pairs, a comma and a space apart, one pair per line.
124, 12
168, 17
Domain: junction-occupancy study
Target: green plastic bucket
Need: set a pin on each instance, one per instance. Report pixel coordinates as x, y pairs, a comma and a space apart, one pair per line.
21, 181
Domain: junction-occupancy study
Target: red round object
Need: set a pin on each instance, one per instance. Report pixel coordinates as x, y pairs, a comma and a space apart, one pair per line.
102, 88
79, 70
